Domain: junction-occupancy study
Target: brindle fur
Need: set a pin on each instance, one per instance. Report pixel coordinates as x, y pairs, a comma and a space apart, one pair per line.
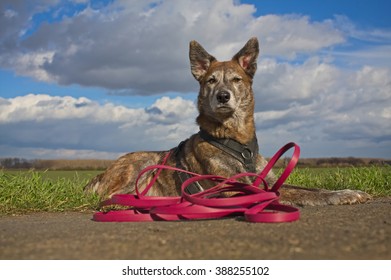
226, 110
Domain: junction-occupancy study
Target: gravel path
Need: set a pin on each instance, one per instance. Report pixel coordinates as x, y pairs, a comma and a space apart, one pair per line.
327, 232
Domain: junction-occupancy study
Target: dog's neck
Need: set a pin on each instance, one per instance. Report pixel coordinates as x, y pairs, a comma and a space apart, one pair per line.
239, 128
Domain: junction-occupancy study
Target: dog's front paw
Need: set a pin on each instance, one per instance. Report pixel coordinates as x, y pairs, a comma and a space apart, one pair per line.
346, 197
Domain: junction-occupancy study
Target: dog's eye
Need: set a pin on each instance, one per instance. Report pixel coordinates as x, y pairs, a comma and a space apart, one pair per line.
211, 80
236, 79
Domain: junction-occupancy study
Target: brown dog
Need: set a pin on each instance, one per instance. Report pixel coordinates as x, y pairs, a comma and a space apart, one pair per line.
226, 144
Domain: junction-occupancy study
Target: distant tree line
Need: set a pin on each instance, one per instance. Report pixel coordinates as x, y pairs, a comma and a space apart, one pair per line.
337, 162
15, 163
54, 164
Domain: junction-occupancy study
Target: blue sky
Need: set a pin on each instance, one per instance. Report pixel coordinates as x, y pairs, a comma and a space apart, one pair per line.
79, 79
363, 12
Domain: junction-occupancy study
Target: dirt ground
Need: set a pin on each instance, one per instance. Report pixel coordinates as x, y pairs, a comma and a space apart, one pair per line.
327, 232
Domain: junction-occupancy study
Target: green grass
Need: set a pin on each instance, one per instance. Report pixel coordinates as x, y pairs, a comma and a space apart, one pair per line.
52, 191
55, 191
374, 180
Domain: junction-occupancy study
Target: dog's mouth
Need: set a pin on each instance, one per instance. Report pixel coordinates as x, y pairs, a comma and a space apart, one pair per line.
224, 109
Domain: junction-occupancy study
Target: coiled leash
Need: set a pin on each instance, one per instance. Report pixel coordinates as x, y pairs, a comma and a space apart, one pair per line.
256, 202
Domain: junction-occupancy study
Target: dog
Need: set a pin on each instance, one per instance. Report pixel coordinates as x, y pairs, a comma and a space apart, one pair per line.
225, 145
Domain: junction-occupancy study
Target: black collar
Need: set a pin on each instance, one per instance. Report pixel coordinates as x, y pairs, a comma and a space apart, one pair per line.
246, 154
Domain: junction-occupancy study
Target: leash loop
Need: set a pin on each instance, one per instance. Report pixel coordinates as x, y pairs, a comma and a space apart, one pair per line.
256, 202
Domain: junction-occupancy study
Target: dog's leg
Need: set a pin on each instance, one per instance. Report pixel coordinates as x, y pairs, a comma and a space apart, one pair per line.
121, 176
93, 185
303, 196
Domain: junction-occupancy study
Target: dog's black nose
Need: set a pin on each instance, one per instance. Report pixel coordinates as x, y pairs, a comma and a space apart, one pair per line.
223, 97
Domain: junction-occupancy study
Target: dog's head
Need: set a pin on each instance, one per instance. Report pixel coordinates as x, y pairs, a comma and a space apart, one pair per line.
225, 87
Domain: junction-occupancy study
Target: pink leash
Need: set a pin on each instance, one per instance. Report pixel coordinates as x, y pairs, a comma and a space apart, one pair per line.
254, 203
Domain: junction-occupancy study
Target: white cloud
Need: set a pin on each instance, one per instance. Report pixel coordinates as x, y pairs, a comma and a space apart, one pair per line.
9, 13
290, 35
345, 25
316, 101
30, 64
376, 55
143, 46
280, 83
43, 123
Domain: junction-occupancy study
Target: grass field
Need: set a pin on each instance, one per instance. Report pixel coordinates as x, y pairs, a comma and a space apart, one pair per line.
32, 191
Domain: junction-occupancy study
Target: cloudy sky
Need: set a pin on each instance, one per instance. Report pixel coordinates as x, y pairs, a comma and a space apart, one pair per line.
96, 79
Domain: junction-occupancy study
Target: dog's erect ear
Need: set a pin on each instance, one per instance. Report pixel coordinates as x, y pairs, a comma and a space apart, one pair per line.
200, 60
247, 56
